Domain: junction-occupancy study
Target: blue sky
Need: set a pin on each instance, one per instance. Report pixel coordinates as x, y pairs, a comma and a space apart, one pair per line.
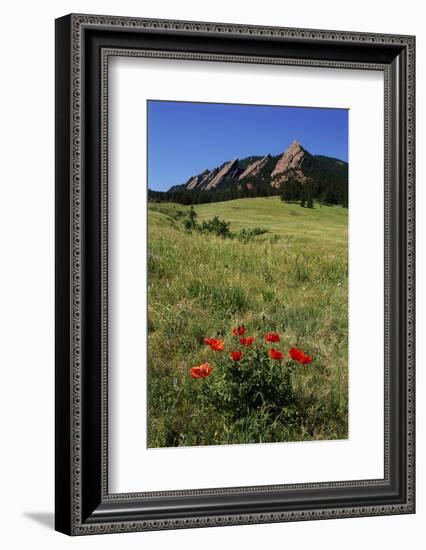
185, 138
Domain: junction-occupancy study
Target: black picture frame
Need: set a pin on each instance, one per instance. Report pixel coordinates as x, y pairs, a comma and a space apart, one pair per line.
83, 504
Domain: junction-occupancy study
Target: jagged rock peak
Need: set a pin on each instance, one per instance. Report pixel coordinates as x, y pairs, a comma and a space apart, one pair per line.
192, 183
226, 169
290, 159
254, 168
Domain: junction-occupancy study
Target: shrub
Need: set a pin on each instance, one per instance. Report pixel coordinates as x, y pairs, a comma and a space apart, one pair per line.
190, 222
246, 376
246, 235
218, 227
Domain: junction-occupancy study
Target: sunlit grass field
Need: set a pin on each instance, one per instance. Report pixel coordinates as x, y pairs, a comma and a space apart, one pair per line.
291, 280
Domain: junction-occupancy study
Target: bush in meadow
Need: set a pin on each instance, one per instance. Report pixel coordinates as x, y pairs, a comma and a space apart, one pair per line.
247, 374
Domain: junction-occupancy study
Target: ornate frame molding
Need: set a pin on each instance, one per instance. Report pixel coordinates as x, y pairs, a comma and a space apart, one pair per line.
72, 516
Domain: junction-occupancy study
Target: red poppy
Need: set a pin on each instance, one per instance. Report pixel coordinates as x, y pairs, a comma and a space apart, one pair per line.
247, 341
272, 337
306, 359
236, 355
299, 356
296, 354
275, 354
238, 331
215, 345
202, 371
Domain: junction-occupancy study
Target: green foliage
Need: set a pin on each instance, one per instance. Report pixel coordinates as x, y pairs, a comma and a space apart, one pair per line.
254, 383
190, 221
308, 193
218, 227
246, 235
292, 190
192, 216
187, 224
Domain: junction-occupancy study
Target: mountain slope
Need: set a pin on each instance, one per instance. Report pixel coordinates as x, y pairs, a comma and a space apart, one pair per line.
295, 174
295, 162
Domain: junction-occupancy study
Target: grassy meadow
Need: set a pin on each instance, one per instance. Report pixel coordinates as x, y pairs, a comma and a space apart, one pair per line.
292, 279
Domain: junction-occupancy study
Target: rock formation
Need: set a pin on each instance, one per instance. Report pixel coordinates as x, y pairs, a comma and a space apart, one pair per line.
294, 163
226, 170
290, 159
254, 168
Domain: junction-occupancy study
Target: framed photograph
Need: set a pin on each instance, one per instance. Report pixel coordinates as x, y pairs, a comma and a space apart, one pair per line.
234, 274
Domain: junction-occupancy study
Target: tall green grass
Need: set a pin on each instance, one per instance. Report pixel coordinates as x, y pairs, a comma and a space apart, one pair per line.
292, 279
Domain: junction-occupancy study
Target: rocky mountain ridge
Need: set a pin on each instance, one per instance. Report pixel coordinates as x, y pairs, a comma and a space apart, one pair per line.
294, 163
296, 175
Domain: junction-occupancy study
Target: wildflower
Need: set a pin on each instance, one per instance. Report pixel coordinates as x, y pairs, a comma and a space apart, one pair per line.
272, 337
306, 359
275, 354
299, 356
215, 344
236, 355
296, 354
238, 331
247, 341
202, 371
